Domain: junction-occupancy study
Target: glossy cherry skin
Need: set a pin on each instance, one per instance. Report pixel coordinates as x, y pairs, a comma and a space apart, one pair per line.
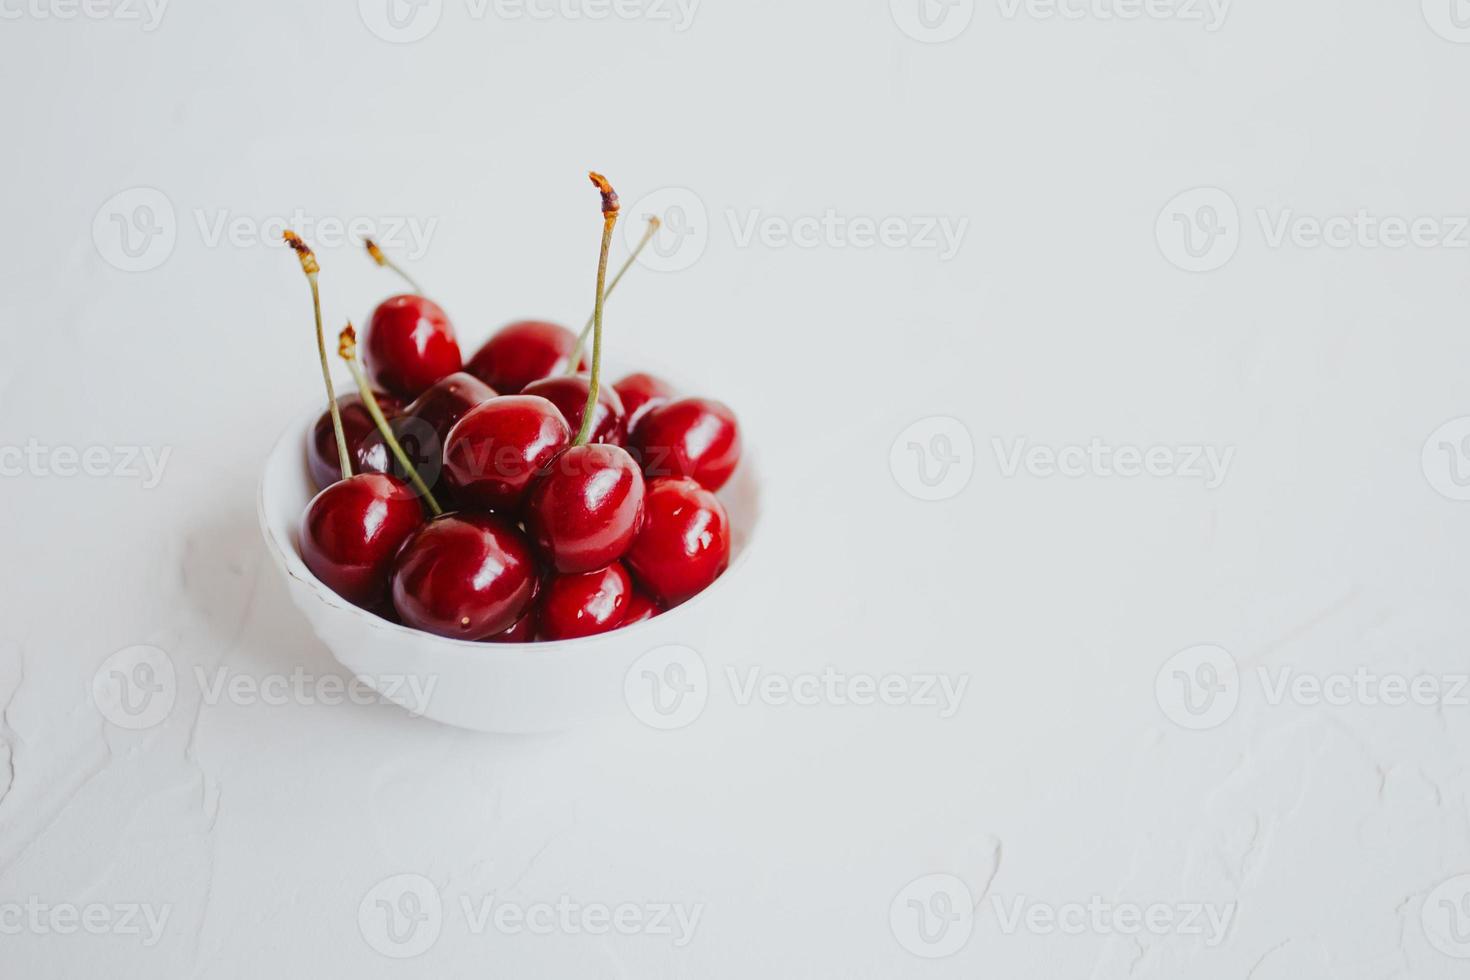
524, 630
364, 446
640, 609
352, 530
642, 393
692, 437
522, 352
468, 576
409, 344
586, 604
585, 511
568, 392
422, 428
494, 453
684, 543
448, 400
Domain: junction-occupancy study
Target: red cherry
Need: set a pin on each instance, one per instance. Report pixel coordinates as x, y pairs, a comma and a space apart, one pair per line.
640, 608
641, 394
524, 631
521, 353
468, 576
500, 446
352, 530
692, 437
368, 453
568, 392
684, 543
586, 509
409, 344
586, 604
423, 426
448, 400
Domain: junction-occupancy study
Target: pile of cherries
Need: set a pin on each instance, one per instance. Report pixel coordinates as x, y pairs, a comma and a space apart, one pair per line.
516, 497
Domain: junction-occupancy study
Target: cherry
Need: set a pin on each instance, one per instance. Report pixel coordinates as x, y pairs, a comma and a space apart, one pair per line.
584, 512
447, 401
423, 426
352, 530
641, 394
584, 605
347, 348
684, 543
521, 353
524, 630
640, 608
365, 448
409, 343
469, 576
568, 392
692, 437
458, 576
586, 509
499, 447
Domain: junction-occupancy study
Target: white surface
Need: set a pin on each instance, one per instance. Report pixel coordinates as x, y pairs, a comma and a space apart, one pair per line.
266, 829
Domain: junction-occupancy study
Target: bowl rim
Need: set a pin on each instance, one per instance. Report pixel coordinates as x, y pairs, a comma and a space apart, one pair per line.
291, 443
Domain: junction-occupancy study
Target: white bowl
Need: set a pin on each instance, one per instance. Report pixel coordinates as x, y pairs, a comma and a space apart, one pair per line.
514, 688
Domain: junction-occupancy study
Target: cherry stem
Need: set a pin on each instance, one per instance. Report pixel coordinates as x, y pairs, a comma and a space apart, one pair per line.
347, 347
310, 267
609, 218
653, 226
387, 263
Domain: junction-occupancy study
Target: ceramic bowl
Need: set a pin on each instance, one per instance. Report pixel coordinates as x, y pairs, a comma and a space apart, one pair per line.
506, 688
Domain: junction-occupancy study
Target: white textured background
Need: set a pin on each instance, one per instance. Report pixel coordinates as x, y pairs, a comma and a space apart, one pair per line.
1334, 835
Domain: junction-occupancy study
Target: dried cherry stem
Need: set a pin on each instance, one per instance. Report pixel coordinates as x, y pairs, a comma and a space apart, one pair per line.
609, 218
347, 348
387, 263
312, 270
653, 226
